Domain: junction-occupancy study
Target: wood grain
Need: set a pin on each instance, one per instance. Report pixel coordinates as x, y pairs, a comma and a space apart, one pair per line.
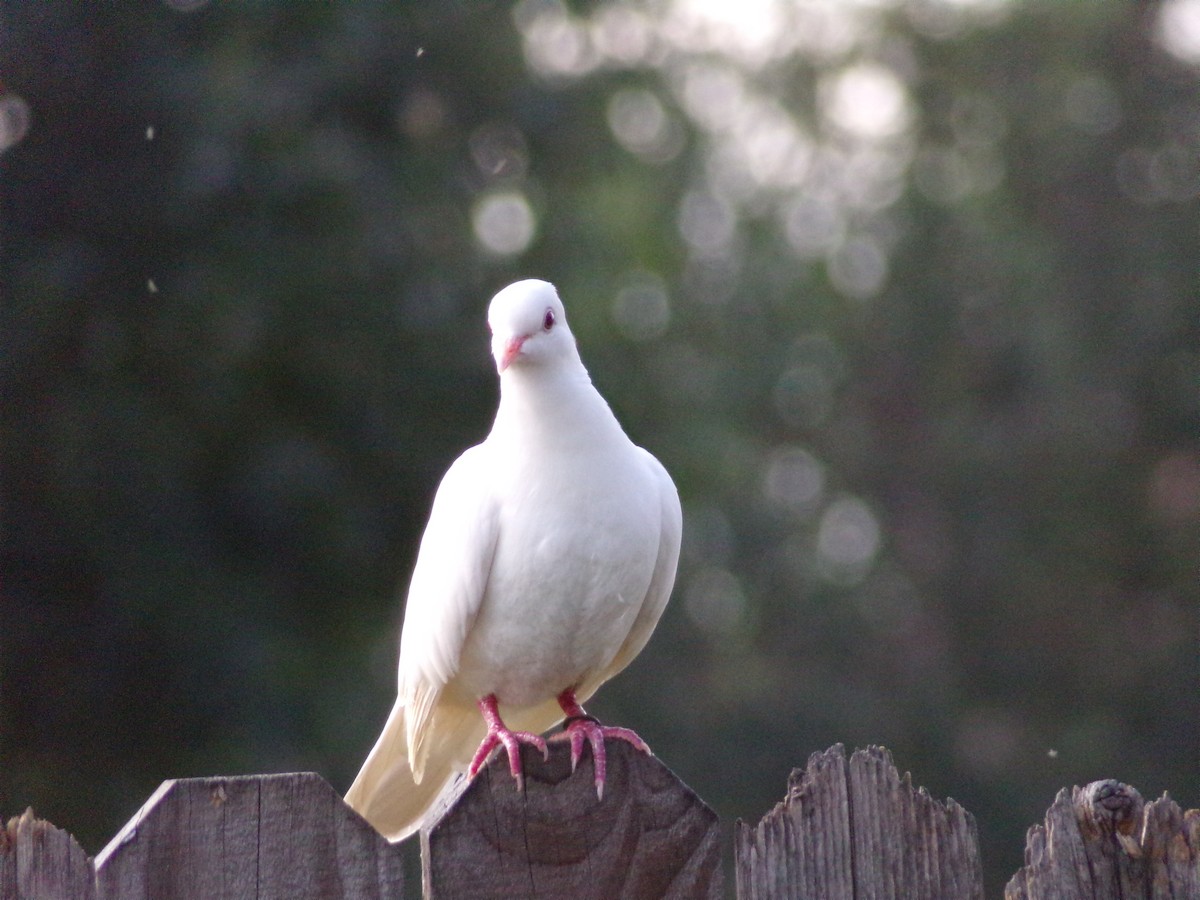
848, 829
1102, 842
851, 829
650, 836
259, 836
40, 862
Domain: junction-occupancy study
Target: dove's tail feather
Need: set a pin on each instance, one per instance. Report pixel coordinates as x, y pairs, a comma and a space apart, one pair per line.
385, 794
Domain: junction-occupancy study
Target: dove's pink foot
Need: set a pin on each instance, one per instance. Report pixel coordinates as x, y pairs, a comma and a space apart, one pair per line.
580, 727
498, 733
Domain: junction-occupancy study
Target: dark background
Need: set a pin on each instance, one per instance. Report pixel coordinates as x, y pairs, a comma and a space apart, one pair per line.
904, 296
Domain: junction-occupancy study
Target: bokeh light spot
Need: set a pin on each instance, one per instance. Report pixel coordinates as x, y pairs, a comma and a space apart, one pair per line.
794, 480
641, 308
848, 540
556, 43
813, 225
1179, 29
504, 223
15, 117
752, 31
867, 100
1150, 176
642, 126
499, 151
622, 34
858, 268
714, 95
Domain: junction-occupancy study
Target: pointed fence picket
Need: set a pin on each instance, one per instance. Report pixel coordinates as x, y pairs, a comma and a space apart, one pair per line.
849, 828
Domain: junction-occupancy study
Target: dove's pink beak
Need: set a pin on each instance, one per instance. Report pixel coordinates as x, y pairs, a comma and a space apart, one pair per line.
511, 349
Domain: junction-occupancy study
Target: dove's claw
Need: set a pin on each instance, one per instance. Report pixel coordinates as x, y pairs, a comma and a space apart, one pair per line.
500, 734
580, 727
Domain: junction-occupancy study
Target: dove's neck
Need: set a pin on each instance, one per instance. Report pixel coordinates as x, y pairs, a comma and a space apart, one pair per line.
555, 403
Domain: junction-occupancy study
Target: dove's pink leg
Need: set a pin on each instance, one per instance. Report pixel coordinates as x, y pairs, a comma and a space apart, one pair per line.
499, 733
580, 727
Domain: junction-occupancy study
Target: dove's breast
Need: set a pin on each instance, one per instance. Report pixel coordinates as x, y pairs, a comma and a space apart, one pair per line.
578, 541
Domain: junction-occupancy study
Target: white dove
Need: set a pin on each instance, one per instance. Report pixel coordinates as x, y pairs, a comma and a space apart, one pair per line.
548, 558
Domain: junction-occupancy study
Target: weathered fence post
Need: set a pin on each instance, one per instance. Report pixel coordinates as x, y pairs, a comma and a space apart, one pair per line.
1102, 842
40, 862
847, 830
650, 836
258, 836
850, 830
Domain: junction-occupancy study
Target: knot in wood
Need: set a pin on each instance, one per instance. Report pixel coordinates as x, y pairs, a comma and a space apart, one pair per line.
1113, 810
1114, 806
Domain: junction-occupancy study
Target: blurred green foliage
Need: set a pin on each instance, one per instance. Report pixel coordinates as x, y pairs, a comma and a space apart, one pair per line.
904, 296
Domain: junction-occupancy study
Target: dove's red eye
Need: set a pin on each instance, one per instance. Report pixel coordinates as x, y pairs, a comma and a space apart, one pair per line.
548, 320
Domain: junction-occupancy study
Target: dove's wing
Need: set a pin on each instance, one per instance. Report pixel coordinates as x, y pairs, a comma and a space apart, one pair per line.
448, 584
661, 582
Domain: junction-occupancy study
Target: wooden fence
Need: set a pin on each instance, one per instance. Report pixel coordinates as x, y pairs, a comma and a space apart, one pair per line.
847, 828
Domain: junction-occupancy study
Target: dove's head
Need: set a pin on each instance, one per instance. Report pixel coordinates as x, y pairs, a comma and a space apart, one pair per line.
529, 326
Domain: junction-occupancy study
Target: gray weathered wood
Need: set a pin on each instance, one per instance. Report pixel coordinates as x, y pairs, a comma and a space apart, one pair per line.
650, 836
853, 829
40, 862
846, 829
1102, 842
262, 836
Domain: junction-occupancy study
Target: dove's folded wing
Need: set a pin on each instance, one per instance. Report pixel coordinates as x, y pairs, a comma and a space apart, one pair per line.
661, 582
448, 584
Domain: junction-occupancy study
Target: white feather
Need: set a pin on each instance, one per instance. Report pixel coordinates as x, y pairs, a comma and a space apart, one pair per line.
548, 558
